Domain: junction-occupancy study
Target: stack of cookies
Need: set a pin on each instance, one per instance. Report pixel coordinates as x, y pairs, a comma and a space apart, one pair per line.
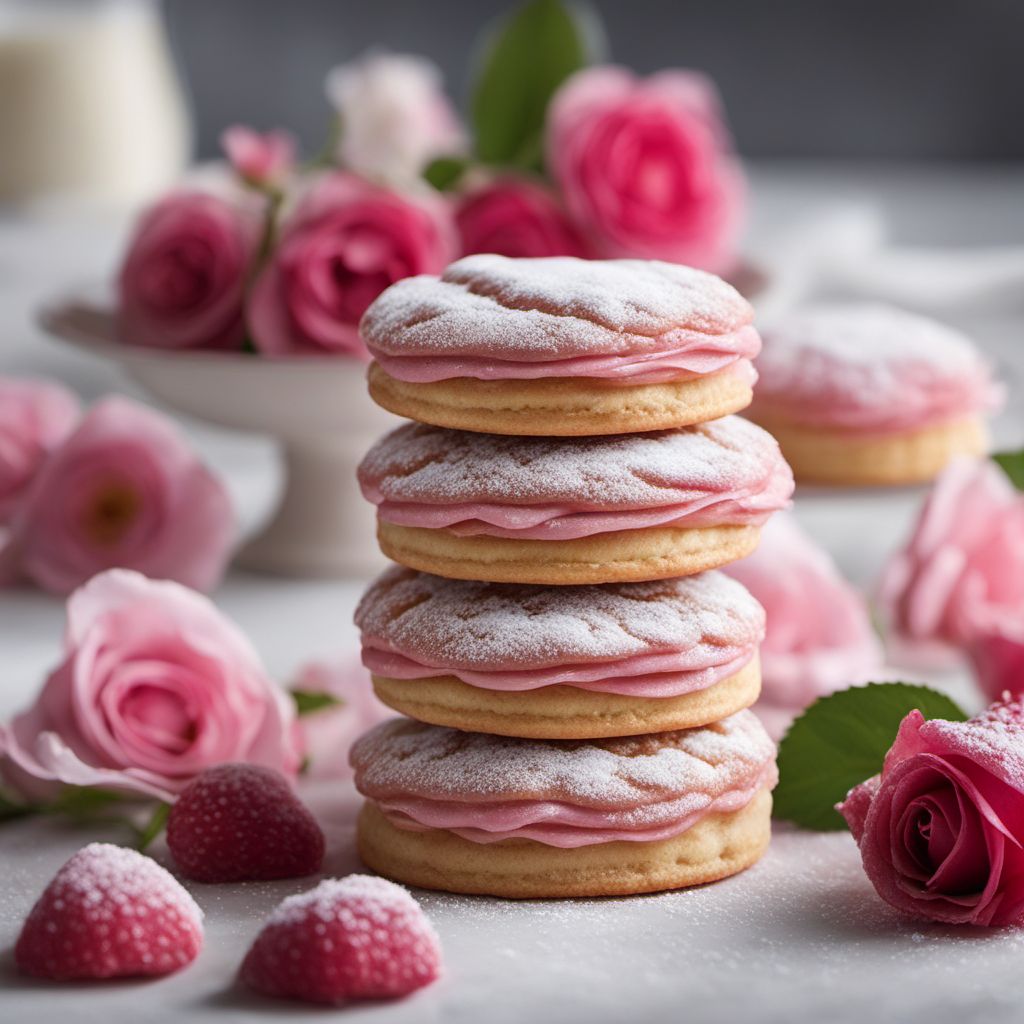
575, 673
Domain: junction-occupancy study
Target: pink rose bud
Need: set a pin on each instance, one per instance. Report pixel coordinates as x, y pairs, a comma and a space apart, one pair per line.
327, 734
264, 160
35, 416
996, 652
645, 166
346, 242
183, 277
155, 686
394, 116
123, 490
964, 559
819, 636
941, 829
516, 217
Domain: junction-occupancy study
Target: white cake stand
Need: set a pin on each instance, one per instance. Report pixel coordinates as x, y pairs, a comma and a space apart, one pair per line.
317, 408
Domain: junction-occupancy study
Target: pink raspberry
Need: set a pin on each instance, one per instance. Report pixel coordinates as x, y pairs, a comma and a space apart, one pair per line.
243, 822
351, 938
109, 913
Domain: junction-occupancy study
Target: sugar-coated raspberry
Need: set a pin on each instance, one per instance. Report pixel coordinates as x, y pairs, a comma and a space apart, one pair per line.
352, 938
110, 912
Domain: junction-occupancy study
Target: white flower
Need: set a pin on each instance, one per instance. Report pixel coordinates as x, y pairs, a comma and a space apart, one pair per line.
395, 117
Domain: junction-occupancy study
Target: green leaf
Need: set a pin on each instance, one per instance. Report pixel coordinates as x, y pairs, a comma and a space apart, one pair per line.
840, 741
153, 827
444, 172
308, 703
528, 58
81, 802
1012, 464
11, 809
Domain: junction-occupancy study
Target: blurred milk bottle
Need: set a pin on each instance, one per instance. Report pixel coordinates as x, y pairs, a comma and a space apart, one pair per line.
90, 105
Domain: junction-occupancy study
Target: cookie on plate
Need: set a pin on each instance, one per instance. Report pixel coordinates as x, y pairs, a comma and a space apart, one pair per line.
561, 346
473, 813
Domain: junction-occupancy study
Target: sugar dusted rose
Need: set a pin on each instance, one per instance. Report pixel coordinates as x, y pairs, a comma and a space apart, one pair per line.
182, 281
125, 489
819, 636
394, 116
964, 561
346, 241
941, 829
327, 734
645, 166
155, 686
35, 416
516, 216
263, 160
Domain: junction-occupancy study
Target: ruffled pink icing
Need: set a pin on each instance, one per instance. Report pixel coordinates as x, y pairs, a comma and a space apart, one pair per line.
869, 369
696, 356
565, 794
652, 675
661, 639
566, 826
494, 318
725, 472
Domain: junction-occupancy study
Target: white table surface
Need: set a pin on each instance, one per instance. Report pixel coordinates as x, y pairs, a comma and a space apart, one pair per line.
799, 937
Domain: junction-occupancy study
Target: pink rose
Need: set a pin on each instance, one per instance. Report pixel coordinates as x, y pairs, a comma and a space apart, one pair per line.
964, 561
183, 277
941, 830
996, 653
645, 166
123, 490
263, 160
819, 637
346, 242
394, 116
327, 734
516, 217
35, 416
155, 686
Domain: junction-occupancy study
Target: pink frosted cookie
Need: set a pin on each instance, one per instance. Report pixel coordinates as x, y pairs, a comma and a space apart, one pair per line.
562, 662
819, 636
475, 813
870, 394
570, 511
561, 346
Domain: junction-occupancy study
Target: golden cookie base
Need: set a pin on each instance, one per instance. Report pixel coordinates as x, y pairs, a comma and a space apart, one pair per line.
565, 712
716, 847
561, 406
831, 457
655, 553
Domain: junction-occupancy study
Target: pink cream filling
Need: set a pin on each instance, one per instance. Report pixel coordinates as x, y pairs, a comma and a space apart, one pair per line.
672, 674
567, 825
747, 506
922, 403
696, 355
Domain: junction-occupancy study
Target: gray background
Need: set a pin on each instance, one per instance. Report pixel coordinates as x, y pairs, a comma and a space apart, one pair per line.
896, 79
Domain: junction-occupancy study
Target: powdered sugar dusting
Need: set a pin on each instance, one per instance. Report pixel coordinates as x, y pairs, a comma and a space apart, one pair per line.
473, 625
403, 758
351, 938
994, 739
110, 912
418, 463
835, 362
552, 308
